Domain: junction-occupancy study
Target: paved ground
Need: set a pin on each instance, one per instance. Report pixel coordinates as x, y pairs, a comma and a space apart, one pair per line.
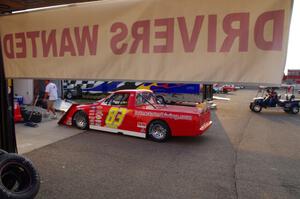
243, 155
47, 132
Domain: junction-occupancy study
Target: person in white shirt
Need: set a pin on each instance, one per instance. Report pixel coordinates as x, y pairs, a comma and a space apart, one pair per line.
51, 97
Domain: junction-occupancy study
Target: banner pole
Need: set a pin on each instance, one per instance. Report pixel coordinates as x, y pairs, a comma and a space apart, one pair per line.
7, 129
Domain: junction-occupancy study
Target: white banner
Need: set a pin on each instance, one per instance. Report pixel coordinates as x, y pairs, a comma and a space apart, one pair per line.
151, 40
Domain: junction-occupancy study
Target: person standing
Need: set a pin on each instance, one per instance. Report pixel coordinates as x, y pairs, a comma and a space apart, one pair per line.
51, 97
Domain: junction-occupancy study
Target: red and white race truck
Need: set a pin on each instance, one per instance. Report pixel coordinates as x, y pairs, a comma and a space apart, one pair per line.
137, 113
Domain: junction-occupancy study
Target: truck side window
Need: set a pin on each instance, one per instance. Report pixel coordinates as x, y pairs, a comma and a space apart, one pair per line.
139, 100
145, 98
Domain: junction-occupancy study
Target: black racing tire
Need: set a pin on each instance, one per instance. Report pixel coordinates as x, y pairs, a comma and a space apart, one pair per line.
160, 99
158, 131
295, 110
69, 95
36, 117
25, 115
80, 120
256, 108
2, 152
19, 178
287, 110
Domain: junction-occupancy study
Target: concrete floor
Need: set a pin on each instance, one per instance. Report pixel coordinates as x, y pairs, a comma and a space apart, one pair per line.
243, 155
47, 132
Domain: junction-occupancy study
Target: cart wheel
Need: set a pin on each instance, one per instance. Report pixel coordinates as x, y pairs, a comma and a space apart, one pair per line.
256, 108
158, 131
80, 120
295, 110
251, 106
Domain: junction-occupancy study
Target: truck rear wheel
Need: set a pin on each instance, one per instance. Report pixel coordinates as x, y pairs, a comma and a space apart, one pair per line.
158, 131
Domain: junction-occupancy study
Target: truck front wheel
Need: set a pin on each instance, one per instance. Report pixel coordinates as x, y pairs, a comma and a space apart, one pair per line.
80, 120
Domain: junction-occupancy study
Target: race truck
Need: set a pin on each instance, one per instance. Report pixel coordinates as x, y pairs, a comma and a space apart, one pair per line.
136, 112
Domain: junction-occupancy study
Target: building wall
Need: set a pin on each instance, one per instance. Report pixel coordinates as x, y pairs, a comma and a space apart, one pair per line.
24, 87
293, 72
29, 89
293, 76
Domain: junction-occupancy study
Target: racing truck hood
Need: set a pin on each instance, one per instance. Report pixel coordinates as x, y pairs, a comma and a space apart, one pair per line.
82, 106
72, 110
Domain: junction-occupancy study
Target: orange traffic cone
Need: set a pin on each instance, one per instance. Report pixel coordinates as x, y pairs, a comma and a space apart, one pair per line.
17, 112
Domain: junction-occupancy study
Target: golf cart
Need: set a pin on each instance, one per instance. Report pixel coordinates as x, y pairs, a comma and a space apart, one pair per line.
267, 97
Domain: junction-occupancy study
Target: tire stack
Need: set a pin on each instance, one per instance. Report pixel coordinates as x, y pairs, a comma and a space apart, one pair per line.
36, 117
18, 177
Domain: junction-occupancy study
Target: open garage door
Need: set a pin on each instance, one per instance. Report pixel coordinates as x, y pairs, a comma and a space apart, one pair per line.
150, 40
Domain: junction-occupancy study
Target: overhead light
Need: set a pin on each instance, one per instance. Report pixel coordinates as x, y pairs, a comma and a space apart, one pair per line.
39, 9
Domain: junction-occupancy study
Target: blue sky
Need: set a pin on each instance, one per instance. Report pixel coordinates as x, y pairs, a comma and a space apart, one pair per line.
293, 56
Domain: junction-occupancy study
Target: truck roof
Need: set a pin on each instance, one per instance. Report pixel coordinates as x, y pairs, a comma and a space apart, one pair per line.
133, 90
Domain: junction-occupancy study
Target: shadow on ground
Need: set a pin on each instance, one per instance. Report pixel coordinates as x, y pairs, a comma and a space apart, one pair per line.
243, 155
103, 165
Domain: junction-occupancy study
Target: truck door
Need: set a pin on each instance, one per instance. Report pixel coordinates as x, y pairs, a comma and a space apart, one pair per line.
116, 112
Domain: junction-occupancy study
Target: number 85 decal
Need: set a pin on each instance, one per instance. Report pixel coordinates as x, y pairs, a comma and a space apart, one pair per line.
115, 117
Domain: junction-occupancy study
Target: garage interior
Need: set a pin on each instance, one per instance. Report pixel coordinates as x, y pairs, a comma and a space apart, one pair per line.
7, 131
